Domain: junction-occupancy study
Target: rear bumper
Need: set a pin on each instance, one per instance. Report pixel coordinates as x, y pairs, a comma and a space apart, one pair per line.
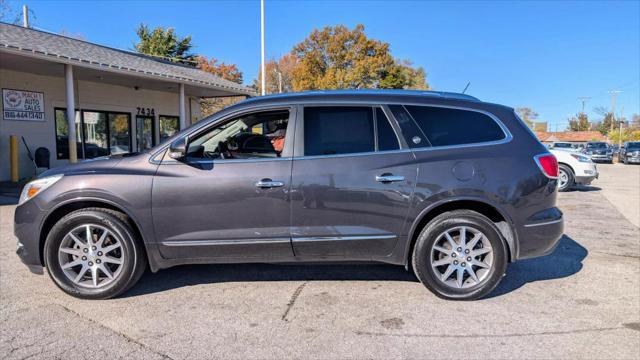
540, 237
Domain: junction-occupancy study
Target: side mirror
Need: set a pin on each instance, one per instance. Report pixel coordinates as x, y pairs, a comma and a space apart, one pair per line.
178, 148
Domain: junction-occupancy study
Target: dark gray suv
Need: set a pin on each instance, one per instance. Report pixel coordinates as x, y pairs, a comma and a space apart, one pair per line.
442, 183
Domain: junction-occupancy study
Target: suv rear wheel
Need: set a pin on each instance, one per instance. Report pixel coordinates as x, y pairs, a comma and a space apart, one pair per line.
460, 255
94, 254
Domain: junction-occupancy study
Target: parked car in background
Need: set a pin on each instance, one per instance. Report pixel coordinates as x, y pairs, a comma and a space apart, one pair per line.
599, 151
574, 169
615, 150
630, 153
450, 186
563, 146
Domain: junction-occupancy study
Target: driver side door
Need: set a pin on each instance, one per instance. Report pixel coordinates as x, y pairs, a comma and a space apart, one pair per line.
229, 197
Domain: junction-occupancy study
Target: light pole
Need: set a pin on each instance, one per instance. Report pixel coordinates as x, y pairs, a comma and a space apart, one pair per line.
279, 80
262, 46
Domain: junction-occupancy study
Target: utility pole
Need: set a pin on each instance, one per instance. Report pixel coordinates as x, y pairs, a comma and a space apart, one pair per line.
25, 16
583, 99
613, 106
620, 128
263, 80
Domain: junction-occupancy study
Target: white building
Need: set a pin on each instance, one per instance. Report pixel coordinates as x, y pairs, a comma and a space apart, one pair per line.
124, 101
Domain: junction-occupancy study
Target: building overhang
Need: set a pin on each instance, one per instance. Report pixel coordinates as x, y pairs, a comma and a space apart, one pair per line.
42, 63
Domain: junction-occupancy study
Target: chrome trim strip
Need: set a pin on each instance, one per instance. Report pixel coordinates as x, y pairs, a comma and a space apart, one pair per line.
178, 243
544, 223
340, 238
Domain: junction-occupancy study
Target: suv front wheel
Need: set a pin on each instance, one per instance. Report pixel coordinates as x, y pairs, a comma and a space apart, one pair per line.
94, 254
460, 255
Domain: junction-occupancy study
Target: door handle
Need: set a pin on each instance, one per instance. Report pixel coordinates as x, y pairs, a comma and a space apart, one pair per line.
268, 183
389, 178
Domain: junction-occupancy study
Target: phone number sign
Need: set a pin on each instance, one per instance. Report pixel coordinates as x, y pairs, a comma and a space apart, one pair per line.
22, 105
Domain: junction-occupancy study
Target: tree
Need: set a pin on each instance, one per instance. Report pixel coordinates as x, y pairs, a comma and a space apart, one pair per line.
527, 115
10, 15
164, 43
627, 135
604, 125
339, 58
580, 122
635, 122
226, 71
277, 74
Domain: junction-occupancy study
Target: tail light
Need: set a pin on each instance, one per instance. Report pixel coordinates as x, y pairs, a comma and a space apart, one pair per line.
548, 164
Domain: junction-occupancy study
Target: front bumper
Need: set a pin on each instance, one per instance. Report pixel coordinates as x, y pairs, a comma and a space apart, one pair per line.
632, 159
595, 157
26, 228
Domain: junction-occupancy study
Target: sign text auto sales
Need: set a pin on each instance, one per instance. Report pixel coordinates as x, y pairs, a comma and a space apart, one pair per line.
22, 105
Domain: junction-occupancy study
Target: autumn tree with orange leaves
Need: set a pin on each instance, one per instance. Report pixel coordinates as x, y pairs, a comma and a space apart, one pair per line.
339, 58
223, 70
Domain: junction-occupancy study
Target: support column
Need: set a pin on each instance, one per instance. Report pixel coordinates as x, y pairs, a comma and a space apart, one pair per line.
71, 113
183, 115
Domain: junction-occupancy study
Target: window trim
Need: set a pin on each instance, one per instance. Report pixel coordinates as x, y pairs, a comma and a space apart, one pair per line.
508, 137
299, 146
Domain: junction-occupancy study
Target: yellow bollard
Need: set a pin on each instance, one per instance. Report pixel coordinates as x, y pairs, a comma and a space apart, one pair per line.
13, 153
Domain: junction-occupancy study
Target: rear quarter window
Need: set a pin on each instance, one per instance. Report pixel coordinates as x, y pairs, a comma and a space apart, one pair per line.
447, 127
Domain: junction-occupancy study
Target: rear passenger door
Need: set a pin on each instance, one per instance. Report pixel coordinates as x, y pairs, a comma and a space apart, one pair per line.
352, 183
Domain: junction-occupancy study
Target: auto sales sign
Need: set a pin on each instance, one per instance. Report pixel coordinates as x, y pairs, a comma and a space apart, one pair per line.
22, 105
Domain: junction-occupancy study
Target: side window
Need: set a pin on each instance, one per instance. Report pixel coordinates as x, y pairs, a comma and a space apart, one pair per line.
251, 136
387, 139
338, 130
445, 126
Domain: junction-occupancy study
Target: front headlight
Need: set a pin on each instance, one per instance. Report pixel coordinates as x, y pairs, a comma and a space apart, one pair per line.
37, 186
581, 158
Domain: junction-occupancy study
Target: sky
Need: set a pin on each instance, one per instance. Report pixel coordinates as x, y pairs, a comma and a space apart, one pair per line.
543, 55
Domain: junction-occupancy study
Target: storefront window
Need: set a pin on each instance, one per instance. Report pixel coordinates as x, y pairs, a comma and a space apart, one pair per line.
144, 133
101, 133
95, 132
120, 139
62, 134
169, 125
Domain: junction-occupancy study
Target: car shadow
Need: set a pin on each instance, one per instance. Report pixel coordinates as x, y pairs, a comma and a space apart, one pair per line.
585, 188
565, 261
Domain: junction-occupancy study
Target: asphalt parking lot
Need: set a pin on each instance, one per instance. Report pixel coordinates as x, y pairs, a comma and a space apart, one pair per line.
581, 301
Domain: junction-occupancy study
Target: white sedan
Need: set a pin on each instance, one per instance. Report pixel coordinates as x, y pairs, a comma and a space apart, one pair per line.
574, 169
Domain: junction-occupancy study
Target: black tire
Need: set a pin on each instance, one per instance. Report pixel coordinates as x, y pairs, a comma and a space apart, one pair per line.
571, 181
133, 252
422, 253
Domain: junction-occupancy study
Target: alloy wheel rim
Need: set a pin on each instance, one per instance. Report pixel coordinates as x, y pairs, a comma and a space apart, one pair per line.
564, 179
91, 256
461, 257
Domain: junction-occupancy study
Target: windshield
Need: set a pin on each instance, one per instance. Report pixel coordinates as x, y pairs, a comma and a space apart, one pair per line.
633, 146
562, 145
596, 145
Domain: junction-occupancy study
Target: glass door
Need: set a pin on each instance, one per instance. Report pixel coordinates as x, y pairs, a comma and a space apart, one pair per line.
144, 133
